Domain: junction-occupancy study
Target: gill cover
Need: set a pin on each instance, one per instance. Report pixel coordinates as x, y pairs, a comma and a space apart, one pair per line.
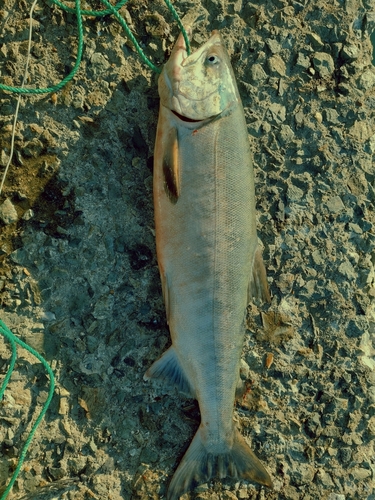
199, 86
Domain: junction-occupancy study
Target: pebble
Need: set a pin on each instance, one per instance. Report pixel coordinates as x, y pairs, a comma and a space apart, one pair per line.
367, 79
315, 41
33, 148
323, 64
8, 212
359, 473
302, 474
4, 158
294, 193
276, 113
29, 214
257, 74
322, 477
371, 426
331, 115
347, 270
285, 134
335, 204
99, 63
302, 61
350, 52
276, 66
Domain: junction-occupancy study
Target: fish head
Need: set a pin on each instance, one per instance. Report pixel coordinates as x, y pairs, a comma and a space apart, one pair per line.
201, 85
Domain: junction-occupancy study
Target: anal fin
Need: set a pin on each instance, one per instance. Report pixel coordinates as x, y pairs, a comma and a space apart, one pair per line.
258, 286
168, 368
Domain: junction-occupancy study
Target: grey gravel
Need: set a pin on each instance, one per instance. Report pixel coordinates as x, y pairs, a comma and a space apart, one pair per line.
78, 274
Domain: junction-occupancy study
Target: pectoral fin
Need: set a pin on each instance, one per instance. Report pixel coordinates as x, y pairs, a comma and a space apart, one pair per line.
168, 368
171, 170
258, 286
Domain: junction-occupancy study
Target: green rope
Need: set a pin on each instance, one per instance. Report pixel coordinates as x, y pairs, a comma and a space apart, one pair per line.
11, 365
178, 21
110, 9
4, 330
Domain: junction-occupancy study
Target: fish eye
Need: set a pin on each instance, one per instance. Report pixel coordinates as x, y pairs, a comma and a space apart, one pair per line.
212, 60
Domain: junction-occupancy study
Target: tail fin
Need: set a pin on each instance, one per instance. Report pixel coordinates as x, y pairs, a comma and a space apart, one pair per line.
199, 466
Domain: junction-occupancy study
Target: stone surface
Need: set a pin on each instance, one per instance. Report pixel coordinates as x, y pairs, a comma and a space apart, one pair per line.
78, 273
323, 64
8, 212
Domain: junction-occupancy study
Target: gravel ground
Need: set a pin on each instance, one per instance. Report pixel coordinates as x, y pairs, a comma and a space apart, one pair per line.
79, 279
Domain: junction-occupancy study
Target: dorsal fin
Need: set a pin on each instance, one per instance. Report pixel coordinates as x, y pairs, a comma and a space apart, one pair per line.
171, 170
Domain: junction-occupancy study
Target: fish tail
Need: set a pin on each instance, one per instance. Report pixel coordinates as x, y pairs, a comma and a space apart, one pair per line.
200, 466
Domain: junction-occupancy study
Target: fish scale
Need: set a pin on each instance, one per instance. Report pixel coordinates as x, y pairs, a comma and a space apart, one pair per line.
208, 255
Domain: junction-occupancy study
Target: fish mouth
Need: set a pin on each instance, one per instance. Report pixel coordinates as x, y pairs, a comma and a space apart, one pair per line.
191, 120
185, 118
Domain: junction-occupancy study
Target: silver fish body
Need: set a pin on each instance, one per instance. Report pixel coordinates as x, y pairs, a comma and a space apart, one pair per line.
208, 255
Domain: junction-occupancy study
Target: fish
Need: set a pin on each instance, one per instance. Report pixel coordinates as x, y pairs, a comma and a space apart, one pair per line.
208, 254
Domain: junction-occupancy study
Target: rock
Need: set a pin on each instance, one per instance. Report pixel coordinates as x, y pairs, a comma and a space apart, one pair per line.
331, 115
242, 493
312, 426
99, 63
273, 45
323, 478
335, 204
349, 52
33, 148
276, 66
257, 74
371, 426
302, 61
315, 41
29, 214
8, 212
276, 113
371, 144
359, 473
4, 158
323, 64
285, 134
347, 270
302, 474
367, 79
319, 117
362, 130
358, 327
294, 193
228, 495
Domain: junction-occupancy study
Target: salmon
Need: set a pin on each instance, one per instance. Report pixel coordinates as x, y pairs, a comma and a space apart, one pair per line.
208, 255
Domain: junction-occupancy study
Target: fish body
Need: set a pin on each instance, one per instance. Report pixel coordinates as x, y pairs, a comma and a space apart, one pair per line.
208, 255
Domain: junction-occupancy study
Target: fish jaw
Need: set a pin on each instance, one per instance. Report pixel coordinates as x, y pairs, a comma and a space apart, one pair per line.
201, 85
